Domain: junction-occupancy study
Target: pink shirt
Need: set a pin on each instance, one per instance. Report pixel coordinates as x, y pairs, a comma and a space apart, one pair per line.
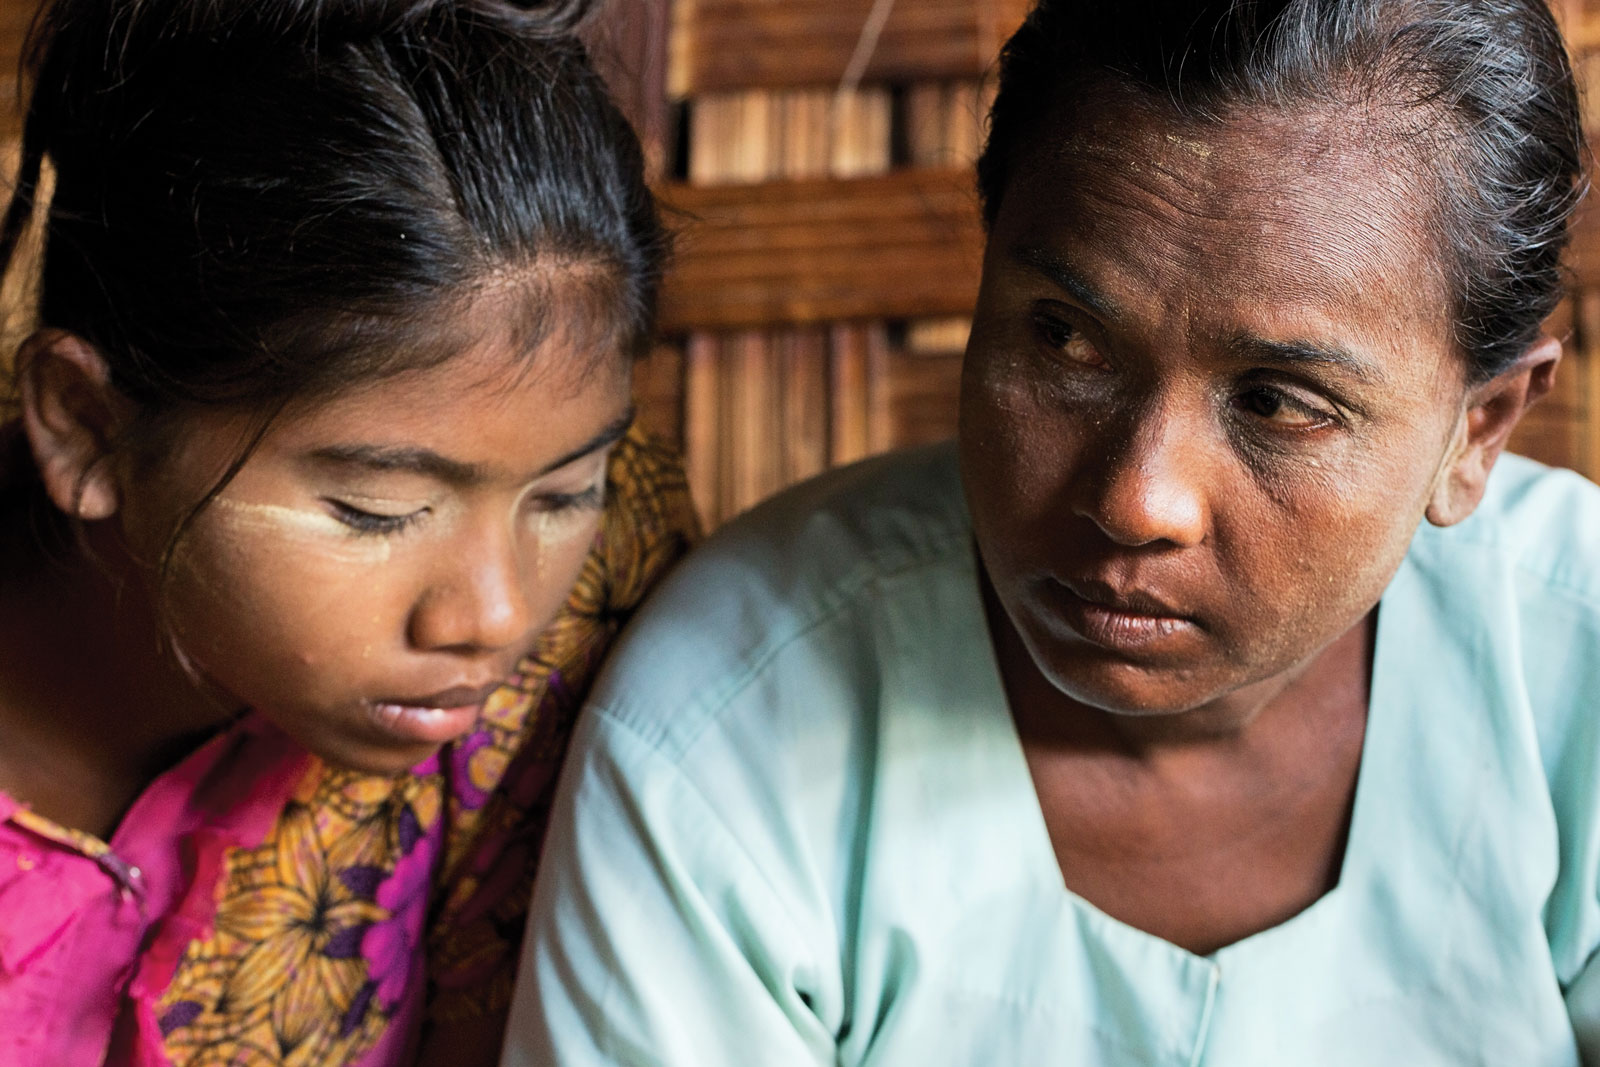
90, 932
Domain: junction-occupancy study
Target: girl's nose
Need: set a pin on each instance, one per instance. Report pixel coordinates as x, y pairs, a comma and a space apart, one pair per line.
1150, 486
480, 603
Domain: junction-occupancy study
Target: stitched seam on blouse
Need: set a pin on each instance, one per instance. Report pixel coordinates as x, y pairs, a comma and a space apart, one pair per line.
690, 786
837, 598
1516, 561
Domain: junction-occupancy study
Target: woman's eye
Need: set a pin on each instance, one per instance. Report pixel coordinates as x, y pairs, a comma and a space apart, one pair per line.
1281, 409
368, 522
1068, 340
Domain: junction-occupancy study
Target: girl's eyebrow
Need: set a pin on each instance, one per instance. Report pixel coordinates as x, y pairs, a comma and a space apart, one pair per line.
604, 439
431, 464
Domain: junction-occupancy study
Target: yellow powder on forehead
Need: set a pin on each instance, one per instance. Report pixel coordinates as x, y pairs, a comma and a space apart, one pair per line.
1198, 148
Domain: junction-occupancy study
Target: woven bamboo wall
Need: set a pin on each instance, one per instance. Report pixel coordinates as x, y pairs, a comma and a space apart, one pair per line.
817, 310
830, 244
816, 155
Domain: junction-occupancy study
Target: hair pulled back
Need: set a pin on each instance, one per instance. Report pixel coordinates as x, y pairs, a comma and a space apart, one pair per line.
259, 201
1489, 79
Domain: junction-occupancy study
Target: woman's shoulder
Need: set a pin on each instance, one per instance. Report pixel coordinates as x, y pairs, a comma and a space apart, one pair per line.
1508, 604
781, 576
1537, 527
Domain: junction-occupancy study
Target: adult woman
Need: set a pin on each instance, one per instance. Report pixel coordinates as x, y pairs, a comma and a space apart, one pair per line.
321, 507
1207, 752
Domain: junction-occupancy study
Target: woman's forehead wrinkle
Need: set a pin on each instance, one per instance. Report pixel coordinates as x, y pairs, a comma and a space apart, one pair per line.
1298, 211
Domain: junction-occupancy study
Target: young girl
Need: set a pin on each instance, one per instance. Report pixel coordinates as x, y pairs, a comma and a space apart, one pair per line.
322, 503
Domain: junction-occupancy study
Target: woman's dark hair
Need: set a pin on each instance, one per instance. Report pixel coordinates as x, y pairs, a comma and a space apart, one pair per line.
1483, 86
260, 200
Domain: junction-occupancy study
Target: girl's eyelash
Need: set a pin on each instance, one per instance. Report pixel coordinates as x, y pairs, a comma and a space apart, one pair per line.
592, 497
366, 522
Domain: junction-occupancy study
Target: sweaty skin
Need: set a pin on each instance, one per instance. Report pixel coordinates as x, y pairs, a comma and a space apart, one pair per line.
1129, 453
329, 591
1210, 393
397, 544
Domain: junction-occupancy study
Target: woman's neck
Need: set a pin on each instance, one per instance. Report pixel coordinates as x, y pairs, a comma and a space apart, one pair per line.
93, 705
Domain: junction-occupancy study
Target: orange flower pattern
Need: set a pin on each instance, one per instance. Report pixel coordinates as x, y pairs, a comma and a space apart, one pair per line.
377, 902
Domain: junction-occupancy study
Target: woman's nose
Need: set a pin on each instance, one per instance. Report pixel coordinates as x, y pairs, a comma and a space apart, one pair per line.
1151, 483
480, 603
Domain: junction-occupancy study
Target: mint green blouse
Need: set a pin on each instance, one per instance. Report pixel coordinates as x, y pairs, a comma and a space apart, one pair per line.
796, 826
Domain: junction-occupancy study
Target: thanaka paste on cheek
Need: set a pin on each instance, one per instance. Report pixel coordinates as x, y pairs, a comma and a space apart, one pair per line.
555, 529
304, 528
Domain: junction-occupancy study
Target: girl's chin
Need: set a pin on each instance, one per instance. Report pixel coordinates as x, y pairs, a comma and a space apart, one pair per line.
387, 762
361, 748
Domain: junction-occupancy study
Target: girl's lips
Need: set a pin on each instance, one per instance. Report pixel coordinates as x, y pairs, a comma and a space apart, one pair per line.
435, 726
435, 719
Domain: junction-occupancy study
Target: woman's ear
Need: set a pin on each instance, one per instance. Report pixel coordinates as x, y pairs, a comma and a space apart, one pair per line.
71, 414
1493, 410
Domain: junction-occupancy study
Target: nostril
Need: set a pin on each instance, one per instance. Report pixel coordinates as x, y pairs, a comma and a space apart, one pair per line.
1146, 495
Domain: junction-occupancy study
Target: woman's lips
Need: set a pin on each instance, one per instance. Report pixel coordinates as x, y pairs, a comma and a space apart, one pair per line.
1127, 621
436, 719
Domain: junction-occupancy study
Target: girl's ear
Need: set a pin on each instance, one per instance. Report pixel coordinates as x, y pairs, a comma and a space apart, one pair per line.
71, 414
1493, 411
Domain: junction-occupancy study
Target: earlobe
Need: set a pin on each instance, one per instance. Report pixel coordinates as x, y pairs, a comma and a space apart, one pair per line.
71, 414
1493, 411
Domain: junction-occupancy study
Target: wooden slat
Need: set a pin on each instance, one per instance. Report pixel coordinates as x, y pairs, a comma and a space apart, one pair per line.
1587, 346
1583, 257
923, 398
15, 17
737, 44
628, 41
896, 246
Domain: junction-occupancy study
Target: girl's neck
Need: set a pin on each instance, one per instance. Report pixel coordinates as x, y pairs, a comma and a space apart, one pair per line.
93, 706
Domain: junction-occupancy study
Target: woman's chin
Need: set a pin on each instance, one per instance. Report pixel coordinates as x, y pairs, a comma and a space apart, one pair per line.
1133, 691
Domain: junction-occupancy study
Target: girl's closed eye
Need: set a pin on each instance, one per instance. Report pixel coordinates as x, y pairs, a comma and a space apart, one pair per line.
371, 523
589, 499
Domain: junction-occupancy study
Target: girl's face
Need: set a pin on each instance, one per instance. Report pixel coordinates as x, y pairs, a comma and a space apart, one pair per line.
387, 555
1209, 396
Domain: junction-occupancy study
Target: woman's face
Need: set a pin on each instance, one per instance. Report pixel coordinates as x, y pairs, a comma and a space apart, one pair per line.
1209, 392
387, 555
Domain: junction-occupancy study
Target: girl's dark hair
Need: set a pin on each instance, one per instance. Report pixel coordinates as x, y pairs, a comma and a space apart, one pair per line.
262, 200
1482, 86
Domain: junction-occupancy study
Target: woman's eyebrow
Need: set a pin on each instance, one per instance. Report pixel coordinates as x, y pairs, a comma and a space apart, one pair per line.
1060, 272
1301, 353
431, 464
